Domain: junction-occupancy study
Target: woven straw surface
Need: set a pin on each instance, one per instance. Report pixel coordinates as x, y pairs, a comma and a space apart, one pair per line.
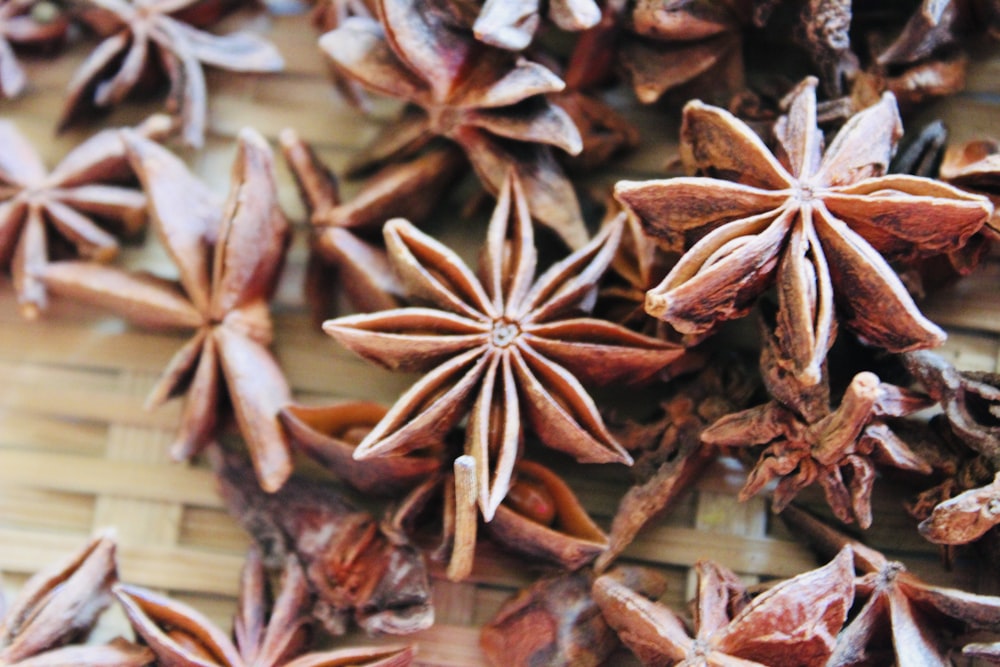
77, 451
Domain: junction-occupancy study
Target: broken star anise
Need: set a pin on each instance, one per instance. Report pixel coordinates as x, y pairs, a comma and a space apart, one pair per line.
150, 38
228, 260
820, 226
490, 102
503, 347
26, 23
58, 607
902, 620
793, 623
266, 634
90, 184
806, 440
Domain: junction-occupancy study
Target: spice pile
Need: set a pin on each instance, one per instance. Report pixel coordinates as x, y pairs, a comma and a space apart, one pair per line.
757, 306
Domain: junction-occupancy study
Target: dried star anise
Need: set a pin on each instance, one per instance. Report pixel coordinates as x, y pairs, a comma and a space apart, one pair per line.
903, 620
90, 184
807, 441
327, 15
793, 623
59, 606
352, 568
807, 221
975, 166
228, 260
555, 621
31, 24
502, 347
511, 24
490, 102
266, 634
150, 38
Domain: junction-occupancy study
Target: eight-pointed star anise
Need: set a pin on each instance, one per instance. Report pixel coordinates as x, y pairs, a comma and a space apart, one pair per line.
489, 101
506, 343
228, 262
793, 623
902, 620
266, 634
808, 221
148, 38
807, 441
90, 184
58, 607
25, 23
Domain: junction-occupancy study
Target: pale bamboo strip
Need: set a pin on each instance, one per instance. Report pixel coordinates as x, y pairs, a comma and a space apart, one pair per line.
18, 430
441, 646
454, 603
46, 510
211, 529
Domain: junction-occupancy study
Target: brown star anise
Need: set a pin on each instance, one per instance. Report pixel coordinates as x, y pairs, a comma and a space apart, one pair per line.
807, 441
903, 620
505, 345
490, 102
228, 260
144, 36
266, 634
975, 166
511, 24
327, 15
808, 221
26, 23
90, 184
59, 606
793, 623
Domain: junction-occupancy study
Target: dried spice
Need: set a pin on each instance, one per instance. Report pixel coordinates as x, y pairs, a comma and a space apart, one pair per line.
91, 184
503, 347
669, 453
793, 623
351, 567
975, 166
819, 226
265, 634
342, 231
31, 24
512, 24
807, 441
150, 38
490, 102
902, 620
327, 15
228, 260
58, 607
556, 622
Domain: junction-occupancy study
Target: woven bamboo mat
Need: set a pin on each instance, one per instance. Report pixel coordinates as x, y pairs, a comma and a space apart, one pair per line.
77, 451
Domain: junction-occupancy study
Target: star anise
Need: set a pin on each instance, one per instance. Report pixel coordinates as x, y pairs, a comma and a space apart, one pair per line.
975, 166
228, 260
327, 15
31, 24
807, 441
511, 24
91, 184
808, 221
793, 623
342, 231
266, 634
490, 102
902, 620
59, 606
147, 37
502, 347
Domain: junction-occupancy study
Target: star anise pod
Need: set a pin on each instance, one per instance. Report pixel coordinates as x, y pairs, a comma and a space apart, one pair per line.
902, 620
807, 441
975, 166
817, 225
147, 37
91, 184
327, 15
511, 24
228, 260
30, 24
352, 568
556, 622
58, 607
793, 623
502, 347
342, 230
266, 634
490, 102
